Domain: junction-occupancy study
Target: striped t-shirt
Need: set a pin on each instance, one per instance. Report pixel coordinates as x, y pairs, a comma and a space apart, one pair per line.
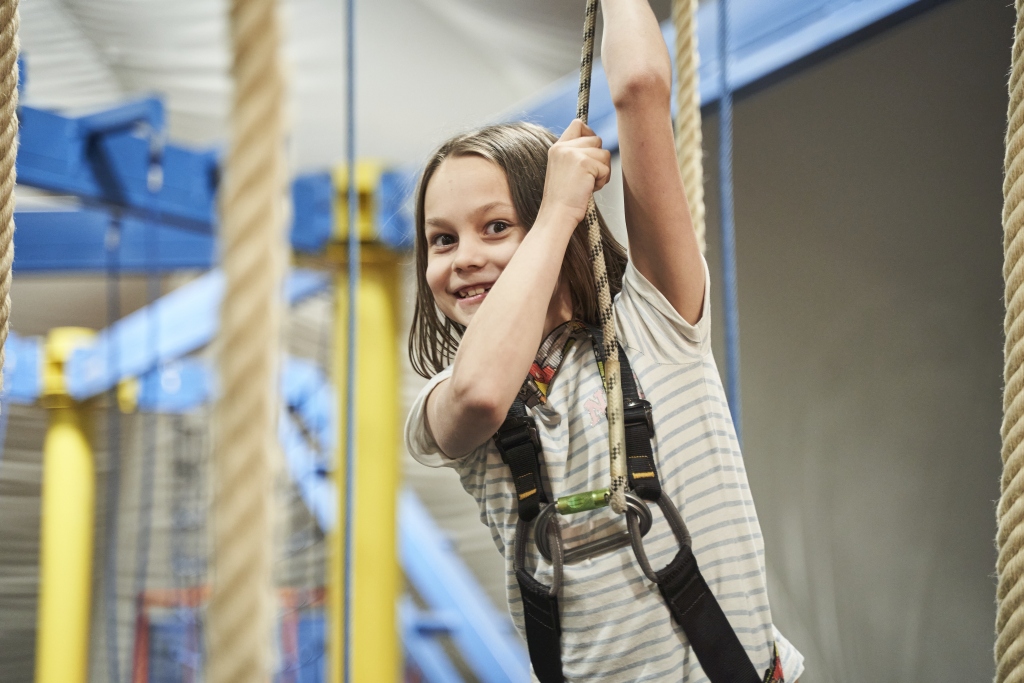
615, 625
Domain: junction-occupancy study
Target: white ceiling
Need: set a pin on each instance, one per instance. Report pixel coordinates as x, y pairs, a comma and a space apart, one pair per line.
426, 68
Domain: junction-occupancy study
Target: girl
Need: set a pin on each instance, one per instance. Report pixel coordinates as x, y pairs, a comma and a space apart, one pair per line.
503, 270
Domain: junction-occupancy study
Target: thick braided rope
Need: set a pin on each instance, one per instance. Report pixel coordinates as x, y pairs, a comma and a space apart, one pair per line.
252, 233
1009, 649
612, 374
8, 151
689, 137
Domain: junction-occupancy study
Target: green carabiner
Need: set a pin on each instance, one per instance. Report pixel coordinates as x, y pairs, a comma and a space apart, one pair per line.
581, 502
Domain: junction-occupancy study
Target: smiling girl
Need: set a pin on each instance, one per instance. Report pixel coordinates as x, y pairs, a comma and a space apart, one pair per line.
505, 293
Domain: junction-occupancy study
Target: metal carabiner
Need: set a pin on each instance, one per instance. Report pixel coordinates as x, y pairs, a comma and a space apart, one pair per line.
636, 508
637, 532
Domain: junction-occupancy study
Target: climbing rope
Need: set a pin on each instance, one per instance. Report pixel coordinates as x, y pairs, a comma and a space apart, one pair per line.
612, 374
689, 136
8, 151
1009, 649
252, 233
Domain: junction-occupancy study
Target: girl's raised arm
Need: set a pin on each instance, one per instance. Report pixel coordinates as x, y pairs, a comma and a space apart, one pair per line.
662, 243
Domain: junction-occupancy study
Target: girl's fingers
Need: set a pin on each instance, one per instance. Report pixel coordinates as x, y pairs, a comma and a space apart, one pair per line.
577, 132
573, 131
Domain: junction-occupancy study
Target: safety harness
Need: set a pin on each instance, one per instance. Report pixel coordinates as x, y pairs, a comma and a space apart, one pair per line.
687, 595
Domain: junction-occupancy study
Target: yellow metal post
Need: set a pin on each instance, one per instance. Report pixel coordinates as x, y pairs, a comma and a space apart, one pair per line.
375, 649
66, 545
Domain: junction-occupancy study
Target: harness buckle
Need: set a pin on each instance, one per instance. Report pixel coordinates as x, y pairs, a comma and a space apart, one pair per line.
637, 410
512, 429
636, 533
634, 504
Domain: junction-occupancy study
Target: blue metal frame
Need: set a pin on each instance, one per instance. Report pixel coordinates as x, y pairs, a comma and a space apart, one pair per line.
119, 157
485, 637
77, 241
421, 647
23, 377
187, 319
766, 39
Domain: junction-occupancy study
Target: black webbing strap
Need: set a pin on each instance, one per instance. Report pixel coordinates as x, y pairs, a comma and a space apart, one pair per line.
543, 628
689, 599
519, 445
639, 425
639, 421
695, 609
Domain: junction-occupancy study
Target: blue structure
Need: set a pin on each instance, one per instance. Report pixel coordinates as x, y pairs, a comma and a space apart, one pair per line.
142, 205
768, 39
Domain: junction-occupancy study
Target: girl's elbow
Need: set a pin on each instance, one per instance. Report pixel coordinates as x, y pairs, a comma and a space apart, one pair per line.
643, 87
480, 406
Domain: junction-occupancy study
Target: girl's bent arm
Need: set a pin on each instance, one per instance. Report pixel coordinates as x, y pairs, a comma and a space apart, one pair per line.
662, 243
502, 338
500, 343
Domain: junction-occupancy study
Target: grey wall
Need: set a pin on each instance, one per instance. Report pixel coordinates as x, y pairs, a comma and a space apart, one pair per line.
868, 199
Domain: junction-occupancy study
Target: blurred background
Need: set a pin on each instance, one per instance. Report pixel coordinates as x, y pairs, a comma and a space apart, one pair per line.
868, 175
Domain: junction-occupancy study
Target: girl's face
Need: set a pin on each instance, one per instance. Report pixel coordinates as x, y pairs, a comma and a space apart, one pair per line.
471, 230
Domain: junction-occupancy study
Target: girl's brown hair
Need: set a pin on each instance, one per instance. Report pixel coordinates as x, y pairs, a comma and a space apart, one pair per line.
521, 151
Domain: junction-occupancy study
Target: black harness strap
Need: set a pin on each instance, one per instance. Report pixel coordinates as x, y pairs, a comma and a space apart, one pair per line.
519, 445
695, 609
543, 628
688, 596
639, 425
639, 421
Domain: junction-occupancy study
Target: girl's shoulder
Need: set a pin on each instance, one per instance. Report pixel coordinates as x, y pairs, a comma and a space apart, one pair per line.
648, 323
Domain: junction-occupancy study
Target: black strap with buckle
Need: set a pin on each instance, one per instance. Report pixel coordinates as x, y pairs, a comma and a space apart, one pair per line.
519, 445
688, 597
639, 419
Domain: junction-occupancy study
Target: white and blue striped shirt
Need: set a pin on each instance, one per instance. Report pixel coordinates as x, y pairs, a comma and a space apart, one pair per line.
615, 625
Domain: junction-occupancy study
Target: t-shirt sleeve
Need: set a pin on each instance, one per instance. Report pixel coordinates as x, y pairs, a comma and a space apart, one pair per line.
649, 323
792, 660
418, 439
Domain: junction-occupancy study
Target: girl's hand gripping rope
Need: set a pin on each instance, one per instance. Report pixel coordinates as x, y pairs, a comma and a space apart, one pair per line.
577, 168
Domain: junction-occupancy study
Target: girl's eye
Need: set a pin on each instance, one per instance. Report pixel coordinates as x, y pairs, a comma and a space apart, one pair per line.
497, 227
442, 240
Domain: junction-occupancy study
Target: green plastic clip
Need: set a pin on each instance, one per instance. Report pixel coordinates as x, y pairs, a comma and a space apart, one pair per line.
581, 502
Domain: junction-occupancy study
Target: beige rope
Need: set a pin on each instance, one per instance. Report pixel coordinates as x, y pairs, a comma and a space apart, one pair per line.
612, 374
8, 151
1009, 650
689, 141
252, 233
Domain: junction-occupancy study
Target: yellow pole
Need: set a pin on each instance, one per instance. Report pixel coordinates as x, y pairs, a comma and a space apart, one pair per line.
66, 545
375, 650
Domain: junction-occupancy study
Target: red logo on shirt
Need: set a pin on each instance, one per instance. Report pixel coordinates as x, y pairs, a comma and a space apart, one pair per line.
597, 406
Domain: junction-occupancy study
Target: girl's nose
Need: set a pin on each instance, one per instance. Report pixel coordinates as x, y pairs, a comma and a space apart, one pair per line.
470, 255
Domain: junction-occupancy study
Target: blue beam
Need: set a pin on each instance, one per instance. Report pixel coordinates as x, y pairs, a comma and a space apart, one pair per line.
305, 468
484, 637
768, 39
23, 377
181, 322
119, 157
78, 241
176, 387
421, 647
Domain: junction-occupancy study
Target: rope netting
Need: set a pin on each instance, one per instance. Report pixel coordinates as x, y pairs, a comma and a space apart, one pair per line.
1009, 649
245, 437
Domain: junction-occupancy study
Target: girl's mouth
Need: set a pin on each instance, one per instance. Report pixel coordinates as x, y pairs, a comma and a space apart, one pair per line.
472, 295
